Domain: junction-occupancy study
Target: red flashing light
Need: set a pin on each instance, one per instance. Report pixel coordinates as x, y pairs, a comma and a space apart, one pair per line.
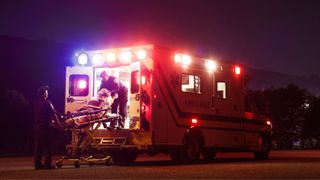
82, 84
144, 108
237, 70
269, 123
194, 121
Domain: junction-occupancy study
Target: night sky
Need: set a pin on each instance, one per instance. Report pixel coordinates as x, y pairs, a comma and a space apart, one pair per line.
281, 36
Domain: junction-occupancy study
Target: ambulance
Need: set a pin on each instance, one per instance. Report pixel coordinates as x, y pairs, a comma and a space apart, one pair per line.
182, 105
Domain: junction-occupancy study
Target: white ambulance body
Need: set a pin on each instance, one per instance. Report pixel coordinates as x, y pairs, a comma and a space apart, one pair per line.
177, 104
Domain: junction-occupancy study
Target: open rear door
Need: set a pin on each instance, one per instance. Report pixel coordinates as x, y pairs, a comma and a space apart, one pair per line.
79, 87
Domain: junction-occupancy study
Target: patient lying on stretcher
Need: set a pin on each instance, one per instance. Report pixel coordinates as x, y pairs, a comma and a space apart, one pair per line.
95, 109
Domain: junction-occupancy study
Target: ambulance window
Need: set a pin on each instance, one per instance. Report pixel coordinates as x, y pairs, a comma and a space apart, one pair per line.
134, 82
78, 85
222, 90
191, 83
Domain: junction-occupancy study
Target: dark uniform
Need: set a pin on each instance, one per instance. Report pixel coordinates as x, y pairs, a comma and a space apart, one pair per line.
43, 111
115, 86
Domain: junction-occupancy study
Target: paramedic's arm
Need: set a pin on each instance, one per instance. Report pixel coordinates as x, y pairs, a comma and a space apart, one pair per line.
114, 92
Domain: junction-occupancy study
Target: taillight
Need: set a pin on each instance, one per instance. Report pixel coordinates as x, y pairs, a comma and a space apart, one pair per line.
194, 121
237, 70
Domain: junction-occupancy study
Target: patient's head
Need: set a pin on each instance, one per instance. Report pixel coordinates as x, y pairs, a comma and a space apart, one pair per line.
103, 93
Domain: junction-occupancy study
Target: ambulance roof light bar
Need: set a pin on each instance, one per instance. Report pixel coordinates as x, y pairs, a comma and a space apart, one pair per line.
211, 65
141, 54
111, 57
82, 59
182, 58
96, 59
125, 56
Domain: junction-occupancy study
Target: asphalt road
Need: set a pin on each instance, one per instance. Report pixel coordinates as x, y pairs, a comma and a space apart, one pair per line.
281, 164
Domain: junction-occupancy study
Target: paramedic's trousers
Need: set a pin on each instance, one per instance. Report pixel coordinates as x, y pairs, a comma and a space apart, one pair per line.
120, 102
42, 143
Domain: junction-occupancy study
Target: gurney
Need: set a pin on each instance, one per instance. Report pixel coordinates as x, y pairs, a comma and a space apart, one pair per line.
82, 124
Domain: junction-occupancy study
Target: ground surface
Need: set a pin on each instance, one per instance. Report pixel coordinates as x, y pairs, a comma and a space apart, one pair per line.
281, 164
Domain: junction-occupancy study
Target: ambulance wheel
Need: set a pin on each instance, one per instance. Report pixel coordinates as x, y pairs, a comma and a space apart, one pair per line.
192, 150
263, 152
59, 164
77, 164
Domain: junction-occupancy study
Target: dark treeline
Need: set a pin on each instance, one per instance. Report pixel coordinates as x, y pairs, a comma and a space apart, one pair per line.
25, 66
295, 114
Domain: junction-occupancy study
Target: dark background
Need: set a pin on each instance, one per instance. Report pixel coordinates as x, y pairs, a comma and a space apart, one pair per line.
277, 42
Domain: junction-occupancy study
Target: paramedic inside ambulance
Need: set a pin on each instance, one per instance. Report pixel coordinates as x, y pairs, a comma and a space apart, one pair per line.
119, 91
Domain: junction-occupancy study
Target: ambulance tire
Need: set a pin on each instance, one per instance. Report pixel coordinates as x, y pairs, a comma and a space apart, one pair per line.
265, 147
192, 150
124, 157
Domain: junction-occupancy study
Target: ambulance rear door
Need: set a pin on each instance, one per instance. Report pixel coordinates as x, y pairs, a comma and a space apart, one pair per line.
79, 87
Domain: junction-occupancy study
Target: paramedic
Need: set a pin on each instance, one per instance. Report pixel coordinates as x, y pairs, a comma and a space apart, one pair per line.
43, 111
116, 88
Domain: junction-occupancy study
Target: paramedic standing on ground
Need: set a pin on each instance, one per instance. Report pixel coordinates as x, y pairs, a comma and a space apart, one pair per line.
117, 88
43, 111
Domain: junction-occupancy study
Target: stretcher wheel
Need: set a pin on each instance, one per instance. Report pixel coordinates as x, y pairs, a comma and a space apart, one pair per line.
108, 161
59, 164
77, 164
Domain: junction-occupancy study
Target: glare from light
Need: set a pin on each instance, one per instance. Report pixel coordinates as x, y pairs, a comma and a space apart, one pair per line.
194, 121
111, 57
82, 84
141, 54
83, 59
125, 57
96, 59
177, 58
237, 70
186, 60
211, 65
143, 80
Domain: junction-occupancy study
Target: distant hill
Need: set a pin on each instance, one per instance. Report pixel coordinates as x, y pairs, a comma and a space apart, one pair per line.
28, 64
262, 79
